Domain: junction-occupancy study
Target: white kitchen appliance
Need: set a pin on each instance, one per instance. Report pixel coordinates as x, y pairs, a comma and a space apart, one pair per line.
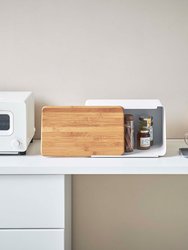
16, 121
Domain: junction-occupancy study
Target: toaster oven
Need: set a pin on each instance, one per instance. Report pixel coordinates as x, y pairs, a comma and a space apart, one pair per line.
16, 121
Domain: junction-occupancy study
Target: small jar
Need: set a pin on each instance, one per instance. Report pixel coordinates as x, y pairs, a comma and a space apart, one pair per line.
129, 133
147, 121
143, 139
151, 131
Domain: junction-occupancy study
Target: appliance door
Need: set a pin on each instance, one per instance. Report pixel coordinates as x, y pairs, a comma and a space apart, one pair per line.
6, 123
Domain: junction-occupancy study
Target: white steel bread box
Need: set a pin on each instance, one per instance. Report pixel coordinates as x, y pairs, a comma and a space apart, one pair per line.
138, 107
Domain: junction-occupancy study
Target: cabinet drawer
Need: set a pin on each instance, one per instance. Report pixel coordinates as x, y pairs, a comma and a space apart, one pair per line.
28, 239
32, 201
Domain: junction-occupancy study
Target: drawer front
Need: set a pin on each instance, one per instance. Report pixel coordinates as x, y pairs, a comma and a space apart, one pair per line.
32, 201
20, 239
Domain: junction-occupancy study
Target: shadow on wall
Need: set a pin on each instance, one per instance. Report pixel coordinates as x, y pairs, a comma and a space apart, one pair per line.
38, 108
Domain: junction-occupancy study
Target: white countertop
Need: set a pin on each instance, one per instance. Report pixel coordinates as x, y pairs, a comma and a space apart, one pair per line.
34, 163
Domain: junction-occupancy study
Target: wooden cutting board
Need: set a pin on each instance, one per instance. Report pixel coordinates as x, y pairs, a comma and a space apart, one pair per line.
82, 131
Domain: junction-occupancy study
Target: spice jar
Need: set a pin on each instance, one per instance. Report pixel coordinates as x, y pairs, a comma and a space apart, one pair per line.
143, 139
147, 121
129, 133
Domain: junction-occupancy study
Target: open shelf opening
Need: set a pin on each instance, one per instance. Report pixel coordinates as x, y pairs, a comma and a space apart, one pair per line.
139, 107
157, 115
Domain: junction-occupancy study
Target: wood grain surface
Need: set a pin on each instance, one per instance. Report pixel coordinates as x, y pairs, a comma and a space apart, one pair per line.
82, 131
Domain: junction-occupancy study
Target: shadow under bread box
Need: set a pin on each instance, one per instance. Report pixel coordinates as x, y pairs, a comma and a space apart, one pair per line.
138, 108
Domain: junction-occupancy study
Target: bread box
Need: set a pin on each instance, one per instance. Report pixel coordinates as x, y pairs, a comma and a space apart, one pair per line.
97, 129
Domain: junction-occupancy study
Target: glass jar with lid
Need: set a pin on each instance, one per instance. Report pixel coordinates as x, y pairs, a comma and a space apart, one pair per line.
129, 133
147, 122
143, 139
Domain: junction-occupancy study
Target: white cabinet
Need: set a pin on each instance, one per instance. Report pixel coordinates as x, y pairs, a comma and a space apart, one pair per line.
35, 212
32, 201
28, 239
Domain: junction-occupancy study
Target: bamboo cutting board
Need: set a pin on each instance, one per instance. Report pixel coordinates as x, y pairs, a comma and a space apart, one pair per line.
82, 131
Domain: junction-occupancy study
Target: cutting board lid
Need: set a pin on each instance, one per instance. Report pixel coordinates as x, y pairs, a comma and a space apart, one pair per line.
82, 130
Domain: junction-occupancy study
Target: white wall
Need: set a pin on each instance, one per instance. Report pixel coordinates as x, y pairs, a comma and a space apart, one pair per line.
67, 51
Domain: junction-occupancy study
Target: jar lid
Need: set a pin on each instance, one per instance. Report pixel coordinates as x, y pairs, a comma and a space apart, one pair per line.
129, 117
146, 118
144, 129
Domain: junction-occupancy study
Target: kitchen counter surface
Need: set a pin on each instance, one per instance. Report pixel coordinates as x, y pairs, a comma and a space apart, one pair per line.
34, 163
